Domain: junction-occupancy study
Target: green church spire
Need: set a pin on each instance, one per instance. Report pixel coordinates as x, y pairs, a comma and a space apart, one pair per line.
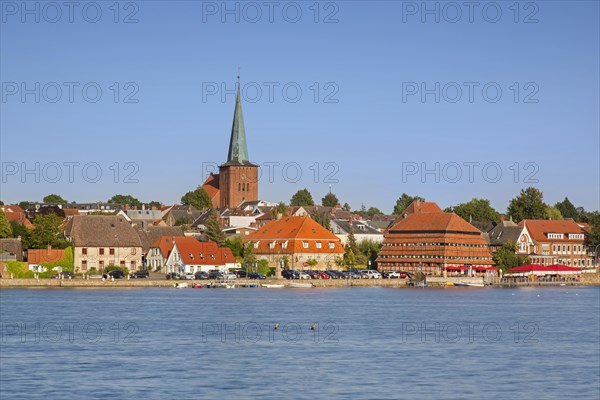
238, 149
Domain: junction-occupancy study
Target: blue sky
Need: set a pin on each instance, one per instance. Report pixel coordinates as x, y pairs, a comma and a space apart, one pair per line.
366, 127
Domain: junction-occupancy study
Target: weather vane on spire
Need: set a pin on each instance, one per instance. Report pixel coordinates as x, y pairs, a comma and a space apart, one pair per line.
238, 75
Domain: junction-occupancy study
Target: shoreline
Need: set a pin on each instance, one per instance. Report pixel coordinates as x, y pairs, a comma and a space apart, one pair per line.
6, 283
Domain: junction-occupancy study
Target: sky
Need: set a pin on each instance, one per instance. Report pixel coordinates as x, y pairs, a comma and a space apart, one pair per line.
368, 99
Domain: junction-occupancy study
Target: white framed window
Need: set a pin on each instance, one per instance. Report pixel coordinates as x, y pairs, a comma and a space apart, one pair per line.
318, 245
305, 245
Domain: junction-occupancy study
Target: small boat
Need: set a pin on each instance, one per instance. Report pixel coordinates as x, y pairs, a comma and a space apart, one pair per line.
459, 284
475, 284
272, 286
180, 285
300, 285
197, 286
449, 284
249, 285
220, 285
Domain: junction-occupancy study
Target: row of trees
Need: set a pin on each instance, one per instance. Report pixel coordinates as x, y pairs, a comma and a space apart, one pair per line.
48, 231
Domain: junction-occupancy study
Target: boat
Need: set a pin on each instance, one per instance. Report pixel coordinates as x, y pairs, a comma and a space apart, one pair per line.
180, 285
220, 285
197, 286
272, 286
475, 284
459, 284
300, 285
249, 285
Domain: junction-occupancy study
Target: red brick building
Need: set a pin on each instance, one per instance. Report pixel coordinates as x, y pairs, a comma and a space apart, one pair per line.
424, 238
237, 180
549, 242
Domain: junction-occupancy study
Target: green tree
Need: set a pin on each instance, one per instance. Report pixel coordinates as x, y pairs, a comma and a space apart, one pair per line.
506, 257
125, 199
529, 204
155, 204
330, 200
302, 198
281, 208
213, 232
369, 249
236, 246
553, 213
346, 207
25, 204
312, 262
568, 210
5, 228
47, 232
24, 233
198, 199
476, 209
1, 203
594, 236
404, 201
54, 199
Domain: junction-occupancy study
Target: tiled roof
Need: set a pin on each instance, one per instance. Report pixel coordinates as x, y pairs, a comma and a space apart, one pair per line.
295, 234
14, 213
504, 232
211, 186
539, 228
102, 231
37, 256
194, 252
420, 207
433, 221
150, 234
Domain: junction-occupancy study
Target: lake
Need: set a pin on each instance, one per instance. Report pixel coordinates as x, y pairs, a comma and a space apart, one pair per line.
346, 343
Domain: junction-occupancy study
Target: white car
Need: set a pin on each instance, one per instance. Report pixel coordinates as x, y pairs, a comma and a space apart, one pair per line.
393, 275
188, 277
229, 275
303, 275
371, 274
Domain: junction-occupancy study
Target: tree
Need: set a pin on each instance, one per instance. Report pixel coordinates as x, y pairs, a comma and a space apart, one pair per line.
302, 198
346, 207
25, 204
369, 249
330, 200
236, 246
24, 233
198, 199
568, 210
529, 204
47, 232
404, 201
155, 204
312, 262
476, 210
594, 221
54, 199
553, 213
5, 228
125, 199
506, 257
213, 232
1, 203
281, 208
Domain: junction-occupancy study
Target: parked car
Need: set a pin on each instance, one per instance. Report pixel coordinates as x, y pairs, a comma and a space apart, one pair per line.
333, 274
256, 275
188, 277
405, 275
290, 274
240, 273
228, 275
173, 275
303, 275
116, 274
314, 274
64, 275
324, 275
143, 273
371, 274
215, 274
201, 275
391, 274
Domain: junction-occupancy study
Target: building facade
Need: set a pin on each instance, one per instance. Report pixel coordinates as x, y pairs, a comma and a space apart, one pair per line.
429, 240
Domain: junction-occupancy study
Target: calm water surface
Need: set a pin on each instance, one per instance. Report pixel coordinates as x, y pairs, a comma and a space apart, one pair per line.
365, 343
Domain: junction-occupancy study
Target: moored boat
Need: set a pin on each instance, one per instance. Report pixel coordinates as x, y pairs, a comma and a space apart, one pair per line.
272, 286
300, 285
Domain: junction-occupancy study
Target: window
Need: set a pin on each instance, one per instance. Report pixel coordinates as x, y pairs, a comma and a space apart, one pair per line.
555, 236
212, 256
101, 251
318, 245
84, 265
575, 236
191, 256
101, 264
84, 251
305, 245
256, 244
133, 266
111, 252
332, 245
122, 264
272, 245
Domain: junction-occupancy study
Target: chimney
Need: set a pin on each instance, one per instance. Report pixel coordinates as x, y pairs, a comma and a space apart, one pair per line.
143, 207
502, 218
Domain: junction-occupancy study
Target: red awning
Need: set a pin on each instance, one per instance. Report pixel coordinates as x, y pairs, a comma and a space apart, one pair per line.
451, 268
544, 269
486, 268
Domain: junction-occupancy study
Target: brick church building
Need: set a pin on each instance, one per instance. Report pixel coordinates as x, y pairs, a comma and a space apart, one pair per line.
237, 180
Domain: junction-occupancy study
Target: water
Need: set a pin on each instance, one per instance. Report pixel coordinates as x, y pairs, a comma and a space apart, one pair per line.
367, 343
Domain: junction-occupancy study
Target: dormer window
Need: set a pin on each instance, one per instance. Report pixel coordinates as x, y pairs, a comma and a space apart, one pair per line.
256, 244
305, 245
555, 236
331, 245
191, 256
318, 245
272, 244
212, 256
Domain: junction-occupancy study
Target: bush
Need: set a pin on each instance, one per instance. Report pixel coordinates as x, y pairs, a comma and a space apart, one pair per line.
66, 263
19, 269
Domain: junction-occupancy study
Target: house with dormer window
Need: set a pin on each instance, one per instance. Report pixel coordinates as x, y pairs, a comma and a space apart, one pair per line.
549, 242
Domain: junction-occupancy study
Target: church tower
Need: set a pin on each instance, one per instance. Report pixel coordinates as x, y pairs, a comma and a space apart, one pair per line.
238, 177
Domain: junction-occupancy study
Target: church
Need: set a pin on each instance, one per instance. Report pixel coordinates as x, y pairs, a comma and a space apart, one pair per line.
237, 180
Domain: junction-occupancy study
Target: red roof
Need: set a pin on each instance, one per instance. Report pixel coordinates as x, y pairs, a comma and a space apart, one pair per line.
420, 207
211, 186
438, 221
295, 235
37, 256
194, 252
540, 228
